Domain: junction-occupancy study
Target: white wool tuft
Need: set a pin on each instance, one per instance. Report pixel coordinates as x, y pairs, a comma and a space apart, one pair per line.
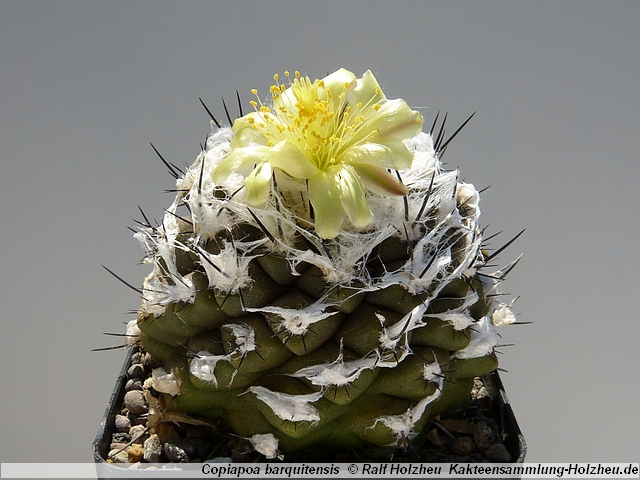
165, 382
293, 408
431, 372
267, 445
338, 373
227, 271
133, 333
484, 338
459, 321
245, 337
502, 315
402, 425
391, 336
297, 320
203, 366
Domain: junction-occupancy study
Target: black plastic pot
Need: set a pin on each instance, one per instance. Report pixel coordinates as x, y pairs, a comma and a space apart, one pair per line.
513, 437
107, 425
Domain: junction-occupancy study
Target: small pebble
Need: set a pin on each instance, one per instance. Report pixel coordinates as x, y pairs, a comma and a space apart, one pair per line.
121, 437
151, 362
175, 453
498, 453
118, 456
123, 424
189, 445
482, 436
152, 449
117, 446
464, 446
137, 432
133, 384
136, 371
481, 417
479, 390
135, 402
434, 437
137, 357
135, 453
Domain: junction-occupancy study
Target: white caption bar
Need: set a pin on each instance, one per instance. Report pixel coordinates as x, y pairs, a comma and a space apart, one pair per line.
320, 470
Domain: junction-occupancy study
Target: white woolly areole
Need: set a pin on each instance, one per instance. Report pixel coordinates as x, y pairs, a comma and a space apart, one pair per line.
157, 294
151, 301
160, 243
483, 340
297, 321
396, 336
402, 425
427, 262
203, 366
338, 373
502, 315
147, 241
133, 333
245, 337
431, 372
293, 408
227, 271
468, 198
266, 444
459, 321
344, 253
165, 382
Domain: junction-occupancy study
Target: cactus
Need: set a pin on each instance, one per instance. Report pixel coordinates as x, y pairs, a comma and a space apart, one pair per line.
317, 279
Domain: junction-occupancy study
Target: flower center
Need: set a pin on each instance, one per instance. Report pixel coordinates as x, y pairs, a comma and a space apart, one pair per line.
307, 114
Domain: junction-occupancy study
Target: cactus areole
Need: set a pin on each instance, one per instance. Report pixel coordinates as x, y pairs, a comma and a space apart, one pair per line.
317, 279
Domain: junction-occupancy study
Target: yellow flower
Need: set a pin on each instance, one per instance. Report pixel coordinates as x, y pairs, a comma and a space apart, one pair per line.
337, 136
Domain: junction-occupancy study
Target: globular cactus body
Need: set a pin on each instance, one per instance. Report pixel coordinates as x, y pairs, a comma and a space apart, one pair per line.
343, 321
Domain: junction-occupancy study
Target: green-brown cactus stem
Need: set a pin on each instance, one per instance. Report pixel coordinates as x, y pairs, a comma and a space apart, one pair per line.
324, 288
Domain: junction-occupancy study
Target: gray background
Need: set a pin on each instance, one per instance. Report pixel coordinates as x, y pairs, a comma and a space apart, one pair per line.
85, 86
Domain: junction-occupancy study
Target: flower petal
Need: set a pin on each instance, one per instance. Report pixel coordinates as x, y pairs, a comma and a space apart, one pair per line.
289, 158
339, 82
379, 155
238, 158
353, 196
367, 91
325, 198
258, 184
396, 119
378, 180
245, 134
